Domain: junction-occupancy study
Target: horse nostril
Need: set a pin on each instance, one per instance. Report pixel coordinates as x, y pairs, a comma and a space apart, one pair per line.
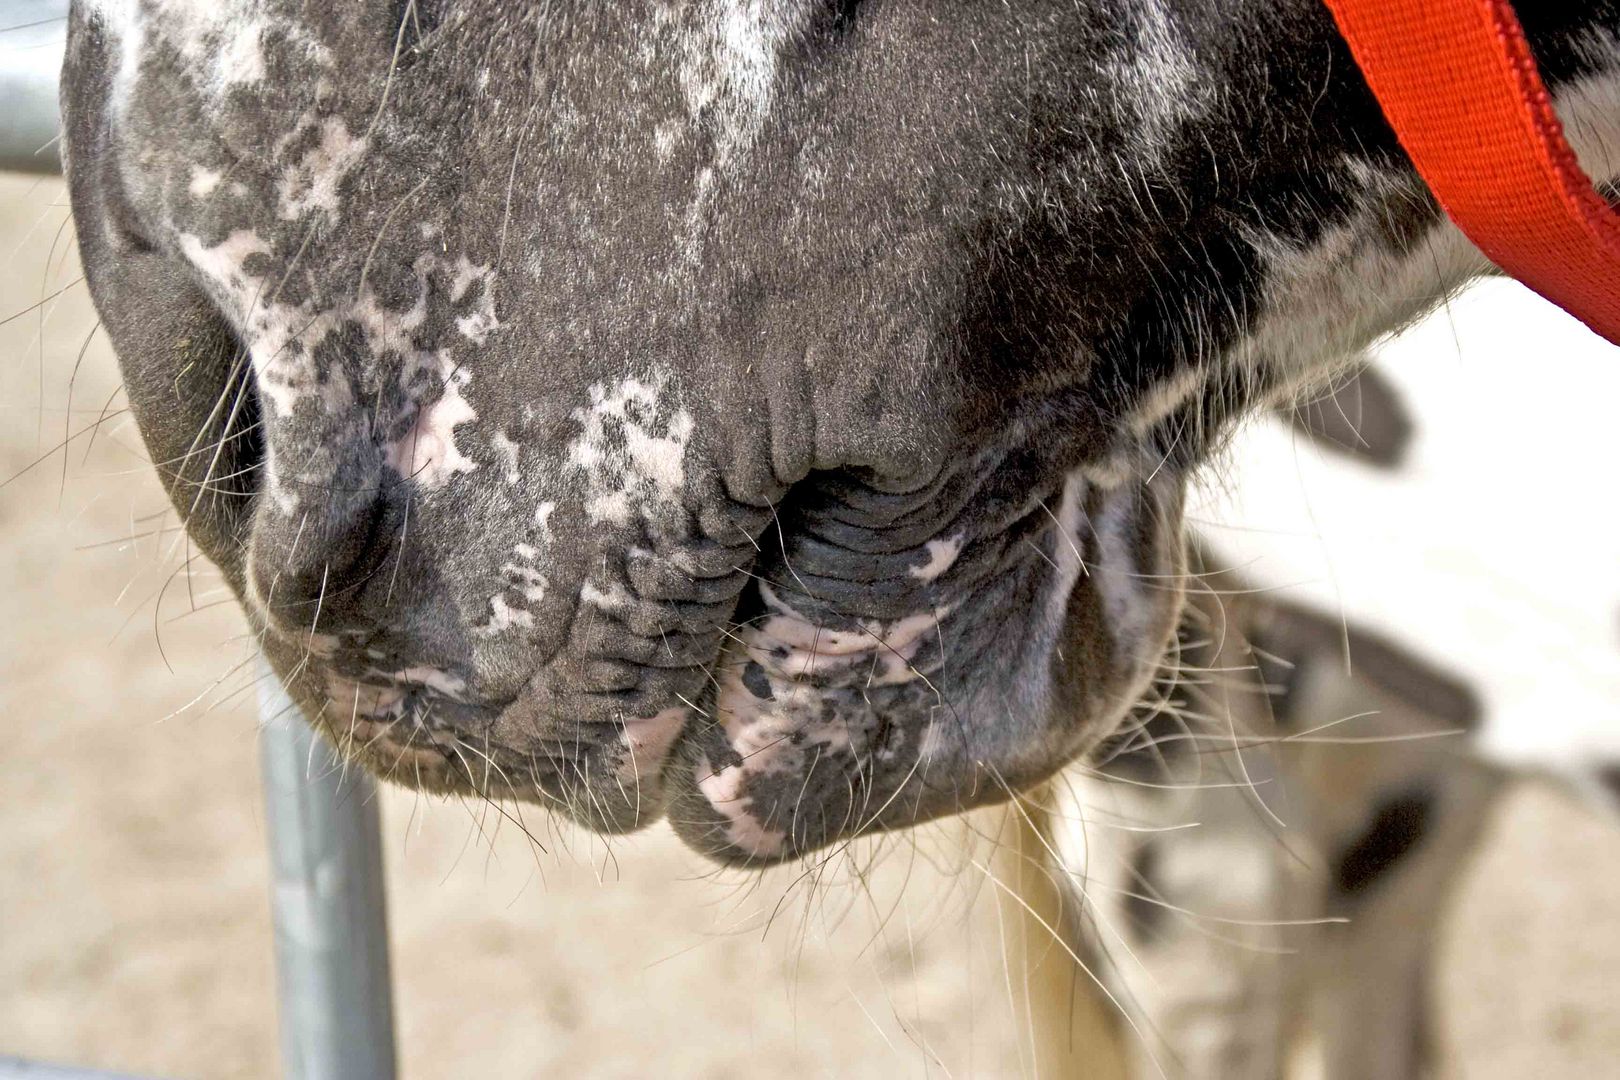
312, 563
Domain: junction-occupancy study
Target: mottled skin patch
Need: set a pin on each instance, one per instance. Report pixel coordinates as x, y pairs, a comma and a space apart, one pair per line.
551, 381
631, 452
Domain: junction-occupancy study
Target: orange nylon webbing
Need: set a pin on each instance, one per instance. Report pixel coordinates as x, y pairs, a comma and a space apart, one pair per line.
1460, 87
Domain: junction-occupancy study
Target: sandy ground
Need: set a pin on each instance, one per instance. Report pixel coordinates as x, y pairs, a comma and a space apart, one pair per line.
134, 929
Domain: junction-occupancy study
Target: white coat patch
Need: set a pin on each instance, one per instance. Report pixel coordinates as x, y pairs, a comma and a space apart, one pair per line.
1159, 78
478, 324
523, 583
631, 450
942, 555
428, 454
222, 42
727, 67
507, 450
311, 182
204, 181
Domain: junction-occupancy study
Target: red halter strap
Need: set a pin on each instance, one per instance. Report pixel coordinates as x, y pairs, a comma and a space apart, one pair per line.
1460, 87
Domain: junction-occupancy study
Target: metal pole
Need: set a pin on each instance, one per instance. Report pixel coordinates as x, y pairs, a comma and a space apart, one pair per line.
31, 37
336, 1001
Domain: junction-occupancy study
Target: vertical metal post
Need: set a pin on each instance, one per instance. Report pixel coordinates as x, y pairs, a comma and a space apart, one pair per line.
31, 36
336, 999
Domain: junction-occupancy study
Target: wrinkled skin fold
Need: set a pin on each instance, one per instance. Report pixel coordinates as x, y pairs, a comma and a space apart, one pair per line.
771, 415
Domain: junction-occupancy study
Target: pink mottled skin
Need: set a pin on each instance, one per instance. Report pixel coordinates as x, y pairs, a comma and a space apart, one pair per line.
885, 649
942, 555
744, 832
775, 735
648, 740
428, 453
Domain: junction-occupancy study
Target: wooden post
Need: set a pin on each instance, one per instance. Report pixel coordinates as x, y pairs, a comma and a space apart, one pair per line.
1069, 1026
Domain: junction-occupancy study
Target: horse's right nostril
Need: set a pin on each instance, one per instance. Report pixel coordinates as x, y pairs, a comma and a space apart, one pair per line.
311, 565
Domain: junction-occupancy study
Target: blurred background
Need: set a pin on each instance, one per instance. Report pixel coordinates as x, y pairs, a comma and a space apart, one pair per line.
134, 919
